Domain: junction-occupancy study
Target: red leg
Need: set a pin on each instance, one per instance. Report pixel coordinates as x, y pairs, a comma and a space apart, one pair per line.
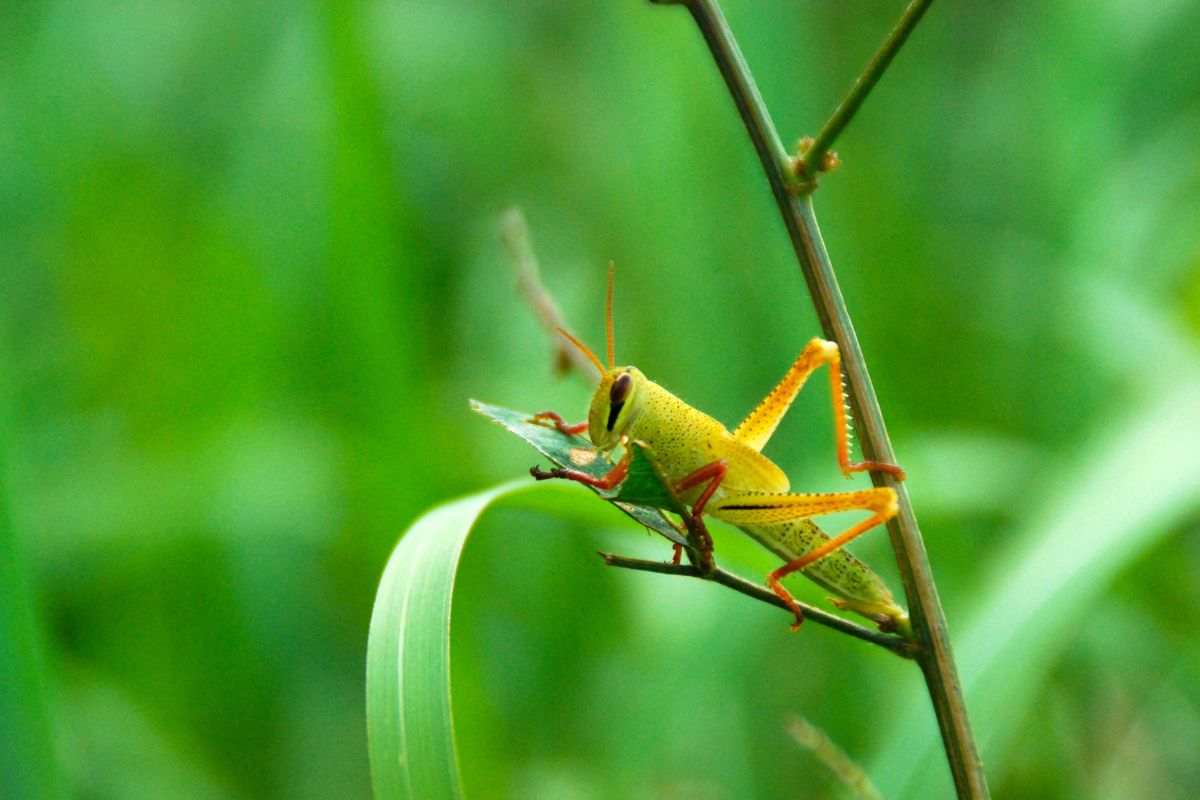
714, 473
563, 427
608, 481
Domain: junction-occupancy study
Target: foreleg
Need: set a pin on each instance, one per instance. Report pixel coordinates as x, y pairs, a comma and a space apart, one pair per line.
606, 481
559, 423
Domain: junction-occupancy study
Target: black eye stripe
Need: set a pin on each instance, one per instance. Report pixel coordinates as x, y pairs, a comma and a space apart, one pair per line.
613, 412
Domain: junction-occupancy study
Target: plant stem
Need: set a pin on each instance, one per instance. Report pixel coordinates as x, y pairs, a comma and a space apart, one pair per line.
928, 619
896, 644
811, 161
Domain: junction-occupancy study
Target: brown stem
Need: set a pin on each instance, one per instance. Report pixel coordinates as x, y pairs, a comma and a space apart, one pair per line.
896, 644
928, 619
815, 155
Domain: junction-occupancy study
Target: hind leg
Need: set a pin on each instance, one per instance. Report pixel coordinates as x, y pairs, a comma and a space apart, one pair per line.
763, 509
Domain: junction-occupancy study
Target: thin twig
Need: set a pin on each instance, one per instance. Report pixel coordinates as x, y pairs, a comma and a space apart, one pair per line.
900, 646
515, 234
928, 619
821, 144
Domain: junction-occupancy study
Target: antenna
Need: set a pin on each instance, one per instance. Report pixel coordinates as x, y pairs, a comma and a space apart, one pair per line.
581, 347
608, 321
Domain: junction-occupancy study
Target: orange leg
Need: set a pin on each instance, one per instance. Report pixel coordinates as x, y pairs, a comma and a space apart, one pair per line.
757, 428
563, 427
786, 596
841, 428
773, 580
765, 510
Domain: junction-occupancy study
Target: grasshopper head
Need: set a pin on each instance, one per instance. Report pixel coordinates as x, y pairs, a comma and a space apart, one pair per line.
616, 404
618, 399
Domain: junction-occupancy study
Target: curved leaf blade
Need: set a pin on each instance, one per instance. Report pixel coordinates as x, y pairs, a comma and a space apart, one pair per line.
410, 723
410, 728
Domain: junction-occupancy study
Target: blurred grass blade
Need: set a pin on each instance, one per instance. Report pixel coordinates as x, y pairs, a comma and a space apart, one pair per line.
28, 763
27, 759
1118, 503
835, 759
409, 724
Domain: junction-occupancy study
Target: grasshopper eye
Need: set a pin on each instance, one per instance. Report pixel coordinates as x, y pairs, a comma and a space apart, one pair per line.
620, 389
617, 397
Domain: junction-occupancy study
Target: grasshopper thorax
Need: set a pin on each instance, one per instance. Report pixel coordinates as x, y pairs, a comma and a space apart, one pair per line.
615, 406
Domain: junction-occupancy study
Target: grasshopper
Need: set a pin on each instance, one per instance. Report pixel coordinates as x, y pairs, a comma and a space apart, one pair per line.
724, 474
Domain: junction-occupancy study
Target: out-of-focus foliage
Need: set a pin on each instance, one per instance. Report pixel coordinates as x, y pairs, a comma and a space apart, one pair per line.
251, 276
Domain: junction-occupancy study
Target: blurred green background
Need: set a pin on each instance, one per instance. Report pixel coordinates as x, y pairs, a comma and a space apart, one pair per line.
251, 276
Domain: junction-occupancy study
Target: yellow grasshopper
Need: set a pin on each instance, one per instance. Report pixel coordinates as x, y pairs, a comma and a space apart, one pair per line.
724, 474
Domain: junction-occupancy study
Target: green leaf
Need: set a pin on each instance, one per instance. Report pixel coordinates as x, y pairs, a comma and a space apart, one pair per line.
641, 495
409, 718
645, 484
410, 726
574, 452
410, 730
